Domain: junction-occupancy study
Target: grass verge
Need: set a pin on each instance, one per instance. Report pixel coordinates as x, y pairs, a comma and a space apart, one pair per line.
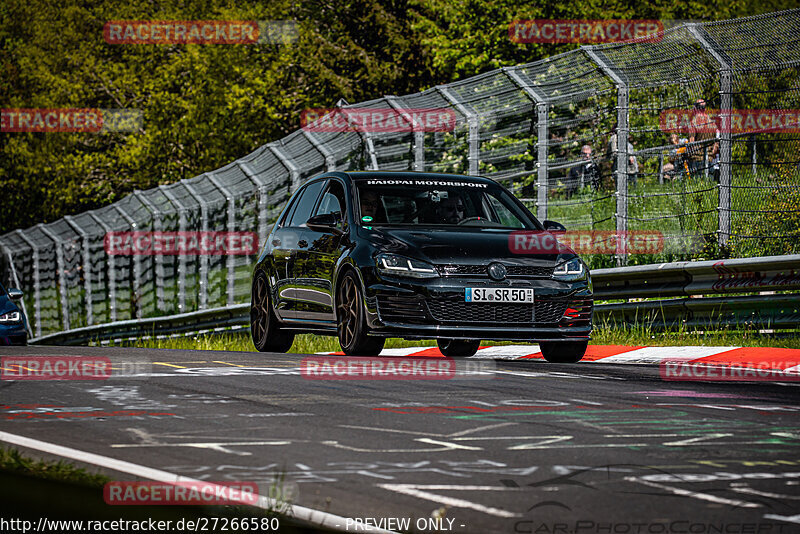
640, 335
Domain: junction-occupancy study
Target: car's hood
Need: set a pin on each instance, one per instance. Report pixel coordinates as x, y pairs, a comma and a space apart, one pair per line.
460, 245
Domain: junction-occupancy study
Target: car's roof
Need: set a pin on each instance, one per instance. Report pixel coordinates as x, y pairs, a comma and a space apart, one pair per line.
407, 175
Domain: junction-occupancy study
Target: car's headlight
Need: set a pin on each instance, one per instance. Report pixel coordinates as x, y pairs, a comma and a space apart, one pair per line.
11, 317
569, 269
402, 266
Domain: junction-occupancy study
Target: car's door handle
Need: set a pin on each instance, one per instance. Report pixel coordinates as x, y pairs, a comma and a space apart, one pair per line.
302, 243
276, 242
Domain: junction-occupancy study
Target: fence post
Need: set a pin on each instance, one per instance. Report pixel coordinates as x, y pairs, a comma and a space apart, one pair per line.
87, 269
15, 278
37, 285
622, 149
230, 260
58, 244
366, 139
419, 136
472, 121
181, 257
725, 141
203, 282
291, 166
159, 257
261, 188
136, 289
330, 160
539, 99
110, 272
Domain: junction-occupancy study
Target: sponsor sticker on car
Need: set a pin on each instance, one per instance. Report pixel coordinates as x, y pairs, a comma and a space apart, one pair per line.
498, 294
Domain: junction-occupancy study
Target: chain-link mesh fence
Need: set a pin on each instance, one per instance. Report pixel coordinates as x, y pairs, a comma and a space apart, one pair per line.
583, 138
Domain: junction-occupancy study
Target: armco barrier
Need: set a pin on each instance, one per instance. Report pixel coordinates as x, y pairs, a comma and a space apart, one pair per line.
680, 279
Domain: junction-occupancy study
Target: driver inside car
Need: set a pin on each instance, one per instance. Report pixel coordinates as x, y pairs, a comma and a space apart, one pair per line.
451, 209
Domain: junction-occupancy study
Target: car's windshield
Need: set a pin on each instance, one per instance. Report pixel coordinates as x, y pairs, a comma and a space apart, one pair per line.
439, 203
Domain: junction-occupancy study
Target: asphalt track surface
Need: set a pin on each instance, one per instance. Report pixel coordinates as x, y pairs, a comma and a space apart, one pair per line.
530, 448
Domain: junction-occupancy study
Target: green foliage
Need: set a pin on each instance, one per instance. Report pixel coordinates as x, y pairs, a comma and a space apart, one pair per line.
205, 105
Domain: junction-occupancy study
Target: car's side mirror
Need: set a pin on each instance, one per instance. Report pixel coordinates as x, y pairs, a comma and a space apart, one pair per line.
552, 226
325, 223
14, 293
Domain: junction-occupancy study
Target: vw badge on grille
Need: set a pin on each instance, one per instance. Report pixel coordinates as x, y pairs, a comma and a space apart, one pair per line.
497, 271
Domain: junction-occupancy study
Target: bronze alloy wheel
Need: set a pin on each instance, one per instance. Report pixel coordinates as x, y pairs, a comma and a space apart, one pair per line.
264, 328
351, 320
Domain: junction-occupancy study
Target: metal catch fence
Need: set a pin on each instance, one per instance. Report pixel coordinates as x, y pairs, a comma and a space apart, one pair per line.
730, 190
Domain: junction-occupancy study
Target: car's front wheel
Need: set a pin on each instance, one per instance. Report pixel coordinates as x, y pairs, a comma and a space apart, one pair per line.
352, 321
264, 328
458, 348
564, 351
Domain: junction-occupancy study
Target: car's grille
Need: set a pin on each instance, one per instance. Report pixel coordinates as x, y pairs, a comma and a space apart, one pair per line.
547, 312
579, 313
401, 310
550, 311
529, 271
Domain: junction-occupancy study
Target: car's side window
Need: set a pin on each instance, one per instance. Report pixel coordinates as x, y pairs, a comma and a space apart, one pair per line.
333, 201
305, 204
506, 217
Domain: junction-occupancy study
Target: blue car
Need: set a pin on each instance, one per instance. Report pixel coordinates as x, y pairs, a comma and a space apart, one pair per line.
13, 325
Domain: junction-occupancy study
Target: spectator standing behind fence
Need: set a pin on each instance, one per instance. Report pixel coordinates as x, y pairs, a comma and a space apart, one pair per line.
703, 135
583, 174
633, 164
676, 166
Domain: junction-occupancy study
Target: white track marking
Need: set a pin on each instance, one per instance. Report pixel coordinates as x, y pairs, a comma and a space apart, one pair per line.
694, 494
415, 490
300, 512
787, 518
660, 354
448, 444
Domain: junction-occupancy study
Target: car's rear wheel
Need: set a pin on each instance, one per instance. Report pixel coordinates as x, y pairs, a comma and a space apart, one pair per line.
264, 328
563, 352
458, 348
352, 322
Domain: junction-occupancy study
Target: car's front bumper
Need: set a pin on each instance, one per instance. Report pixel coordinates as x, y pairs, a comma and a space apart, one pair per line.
13, 335
436, 308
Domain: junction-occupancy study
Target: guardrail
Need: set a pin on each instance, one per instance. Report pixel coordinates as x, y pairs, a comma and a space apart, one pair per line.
691, 280
695, 280
226, 318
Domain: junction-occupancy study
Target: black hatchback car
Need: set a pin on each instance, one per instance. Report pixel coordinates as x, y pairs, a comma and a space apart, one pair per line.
371, 255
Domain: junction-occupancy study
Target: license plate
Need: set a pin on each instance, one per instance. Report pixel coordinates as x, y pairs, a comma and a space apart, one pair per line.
498, 294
